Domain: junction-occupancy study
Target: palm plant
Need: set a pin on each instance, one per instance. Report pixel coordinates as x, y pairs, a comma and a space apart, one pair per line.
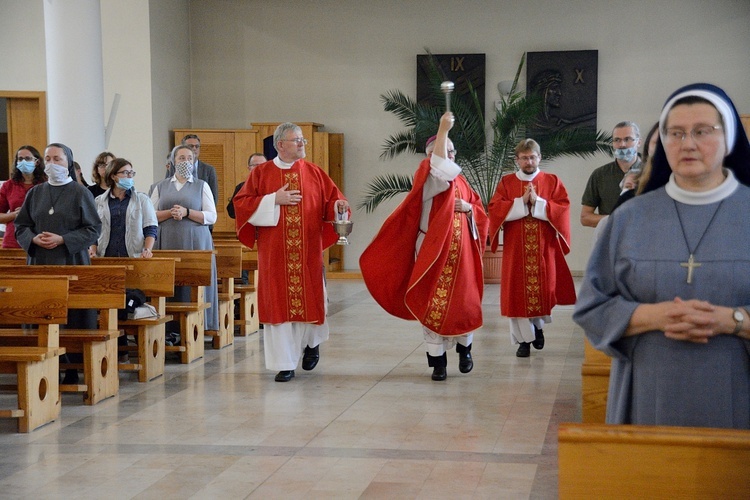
484, 155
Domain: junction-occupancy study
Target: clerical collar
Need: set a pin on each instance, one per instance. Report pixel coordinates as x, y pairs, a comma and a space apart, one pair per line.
282, 164
720, 192
527, 177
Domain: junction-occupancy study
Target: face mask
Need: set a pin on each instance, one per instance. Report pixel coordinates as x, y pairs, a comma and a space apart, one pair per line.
26, 166
126, 183
184, 169
57, 174
626, 154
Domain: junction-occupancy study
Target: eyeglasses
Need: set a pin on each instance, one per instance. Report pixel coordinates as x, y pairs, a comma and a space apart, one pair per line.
298, 140
699, 134
624, 140
528, 158
452, 152
126, 173
25, 158
101, 165
193, 146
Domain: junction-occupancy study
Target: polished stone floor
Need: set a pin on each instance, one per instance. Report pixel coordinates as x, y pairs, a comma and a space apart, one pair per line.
368, 422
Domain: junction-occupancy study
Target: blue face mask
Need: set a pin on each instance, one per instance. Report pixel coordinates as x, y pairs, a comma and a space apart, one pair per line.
126, 183
626, 154
26, 166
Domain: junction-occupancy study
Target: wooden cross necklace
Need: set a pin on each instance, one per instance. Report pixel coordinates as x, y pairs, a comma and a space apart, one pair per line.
691, 264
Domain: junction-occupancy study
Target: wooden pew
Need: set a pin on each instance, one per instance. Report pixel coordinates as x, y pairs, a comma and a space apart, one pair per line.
594, 384
631, 461
37, 368
90, 287
12, 261
193, 269
249, 293
228, 267
155, 278
13, 252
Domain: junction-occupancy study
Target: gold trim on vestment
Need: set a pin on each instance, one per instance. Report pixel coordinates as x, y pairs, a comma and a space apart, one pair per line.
531, 268
293, 250
438, 304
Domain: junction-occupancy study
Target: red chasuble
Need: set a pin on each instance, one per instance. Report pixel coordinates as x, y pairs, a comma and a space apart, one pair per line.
290, 254
535, 276
443, 288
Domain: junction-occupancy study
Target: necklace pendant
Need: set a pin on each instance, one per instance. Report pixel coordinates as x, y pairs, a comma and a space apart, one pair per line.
52, 210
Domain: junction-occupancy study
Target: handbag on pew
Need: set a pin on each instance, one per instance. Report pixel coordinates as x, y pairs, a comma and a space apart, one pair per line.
134, 298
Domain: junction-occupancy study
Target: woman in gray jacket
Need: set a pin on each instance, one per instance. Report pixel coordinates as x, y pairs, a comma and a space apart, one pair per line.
129, 224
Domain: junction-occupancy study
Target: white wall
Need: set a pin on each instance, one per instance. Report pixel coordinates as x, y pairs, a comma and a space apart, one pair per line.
22, 63
329, 60
126, 52
170, 75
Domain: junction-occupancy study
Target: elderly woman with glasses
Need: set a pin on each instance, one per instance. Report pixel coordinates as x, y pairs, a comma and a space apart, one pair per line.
129, 224
667, 288
185, 208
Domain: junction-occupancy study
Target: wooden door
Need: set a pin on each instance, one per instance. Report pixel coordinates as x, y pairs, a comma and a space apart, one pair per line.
27, 124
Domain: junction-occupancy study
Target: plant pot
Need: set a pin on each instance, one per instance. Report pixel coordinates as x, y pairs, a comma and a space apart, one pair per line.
493, 265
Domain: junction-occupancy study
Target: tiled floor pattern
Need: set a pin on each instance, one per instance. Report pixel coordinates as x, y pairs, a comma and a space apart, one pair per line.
367, 423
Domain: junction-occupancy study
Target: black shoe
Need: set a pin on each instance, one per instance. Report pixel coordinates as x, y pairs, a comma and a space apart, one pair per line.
439, 373
284, 376
311, 357
465, 363
438, 364
524, 350
538, 341
71, 377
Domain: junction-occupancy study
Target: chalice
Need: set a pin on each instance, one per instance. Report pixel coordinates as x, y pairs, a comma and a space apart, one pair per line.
447, 89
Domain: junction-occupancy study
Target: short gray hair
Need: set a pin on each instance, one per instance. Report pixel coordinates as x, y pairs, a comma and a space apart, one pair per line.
281, 130
628, 123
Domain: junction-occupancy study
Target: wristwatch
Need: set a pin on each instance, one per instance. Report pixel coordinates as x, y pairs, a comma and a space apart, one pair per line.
738, 318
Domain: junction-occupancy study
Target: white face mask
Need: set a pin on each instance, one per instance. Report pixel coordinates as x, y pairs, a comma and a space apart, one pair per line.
184, 169
57, 174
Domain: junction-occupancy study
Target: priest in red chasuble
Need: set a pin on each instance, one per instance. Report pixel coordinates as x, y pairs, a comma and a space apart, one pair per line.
285, 206
533, 210
425, 263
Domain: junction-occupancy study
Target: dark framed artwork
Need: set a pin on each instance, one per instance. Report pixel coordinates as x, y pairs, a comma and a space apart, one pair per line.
567, 82
458, 68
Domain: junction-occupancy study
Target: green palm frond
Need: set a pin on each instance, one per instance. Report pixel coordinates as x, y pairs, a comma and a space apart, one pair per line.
401, 105
382, 188
581, 143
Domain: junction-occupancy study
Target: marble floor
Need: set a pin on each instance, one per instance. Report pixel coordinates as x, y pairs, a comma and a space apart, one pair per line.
368, 422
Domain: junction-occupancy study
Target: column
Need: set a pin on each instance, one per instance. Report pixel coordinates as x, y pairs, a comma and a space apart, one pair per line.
75, 90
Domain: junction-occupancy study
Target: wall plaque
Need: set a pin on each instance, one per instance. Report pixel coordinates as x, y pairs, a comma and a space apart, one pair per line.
567, 81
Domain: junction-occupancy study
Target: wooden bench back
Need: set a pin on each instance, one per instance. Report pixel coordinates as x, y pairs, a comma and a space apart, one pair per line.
13, 252
228, 259
35, 300
90, 287
633, 461
12, 261
154, 277
192, 267
249, 259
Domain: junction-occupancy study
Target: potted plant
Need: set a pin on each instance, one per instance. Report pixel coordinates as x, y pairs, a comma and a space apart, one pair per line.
484, 153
